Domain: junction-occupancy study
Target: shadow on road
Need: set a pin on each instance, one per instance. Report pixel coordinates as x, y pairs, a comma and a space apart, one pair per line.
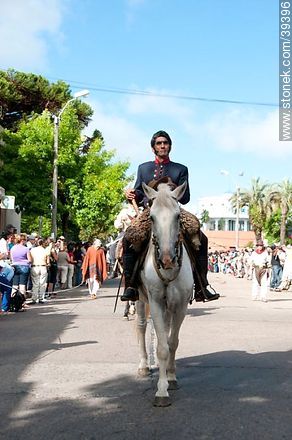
222, 395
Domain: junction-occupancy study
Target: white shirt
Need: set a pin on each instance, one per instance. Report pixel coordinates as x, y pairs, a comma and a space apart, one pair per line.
39, 256
260, 260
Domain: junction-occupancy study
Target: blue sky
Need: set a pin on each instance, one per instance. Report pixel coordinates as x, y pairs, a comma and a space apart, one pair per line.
216, 49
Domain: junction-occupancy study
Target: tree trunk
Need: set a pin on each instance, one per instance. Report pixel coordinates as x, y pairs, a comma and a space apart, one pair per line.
283, 224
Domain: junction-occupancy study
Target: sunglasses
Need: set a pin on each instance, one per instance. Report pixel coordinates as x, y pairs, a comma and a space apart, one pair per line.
162, 142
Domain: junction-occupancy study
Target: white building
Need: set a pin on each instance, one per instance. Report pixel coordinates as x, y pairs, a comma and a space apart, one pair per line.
222, 217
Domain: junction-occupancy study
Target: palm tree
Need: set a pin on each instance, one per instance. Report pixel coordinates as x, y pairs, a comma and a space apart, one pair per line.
205, 217
256, 200
281, 197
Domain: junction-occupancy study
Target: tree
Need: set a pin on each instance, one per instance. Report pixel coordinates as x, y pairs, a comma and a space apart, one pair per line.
23, 94
256, 200
90, 185
205, 217
97, 198
280, 196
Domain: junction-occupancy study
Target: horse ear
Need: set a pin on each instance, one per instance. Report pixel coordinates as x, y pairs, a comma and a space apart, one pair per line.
148, 191
178, 192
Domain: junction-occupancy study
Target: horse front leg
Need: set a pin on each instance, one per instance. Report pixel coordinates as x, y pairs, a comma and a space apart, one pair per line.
158, 317
143, 369
173, 341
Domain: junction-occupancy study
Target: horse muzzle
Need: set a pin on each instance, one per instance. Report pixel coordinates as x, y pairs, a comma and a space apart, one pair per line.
167, 262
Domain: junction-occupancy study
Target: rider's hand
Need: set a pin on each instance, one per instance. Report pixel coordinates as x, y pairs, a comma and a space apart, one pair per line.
130, 194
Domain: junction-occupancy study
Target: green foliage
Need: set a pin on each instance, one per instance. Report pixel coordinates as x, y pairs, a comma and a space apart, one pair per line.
256, 200
205, 217
97, 199
90, 183
22, 94
272, 227
281, 197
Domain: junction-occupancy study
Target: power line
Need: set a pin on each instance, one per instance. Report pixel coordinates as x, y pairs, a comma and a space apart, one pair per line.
95, 88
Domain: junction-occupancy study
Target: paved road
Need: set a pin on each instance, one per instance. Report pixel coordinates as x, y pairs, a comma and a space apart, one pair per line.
68, 371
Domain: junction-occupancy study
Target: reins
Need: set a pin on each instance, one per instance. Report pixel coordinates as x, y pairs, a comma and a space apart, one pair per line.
157, 266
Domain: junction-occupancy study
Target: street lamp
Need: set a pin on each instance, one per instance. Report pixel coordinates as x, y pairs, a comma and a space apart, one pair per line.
57, 119
226, 173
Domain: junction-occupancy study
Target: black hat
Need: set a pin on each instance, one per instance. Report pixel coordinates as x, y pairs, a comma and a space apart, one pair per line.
159, 134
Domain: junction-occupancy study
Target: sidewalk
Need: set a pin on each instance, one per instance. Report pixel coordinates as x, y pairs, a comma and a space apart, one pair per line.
69, 370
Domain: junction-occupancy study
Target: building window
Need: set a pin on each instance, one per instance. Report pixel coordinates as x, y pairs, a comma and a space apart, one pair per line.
231, 225
221, 224
241, 225
212, 225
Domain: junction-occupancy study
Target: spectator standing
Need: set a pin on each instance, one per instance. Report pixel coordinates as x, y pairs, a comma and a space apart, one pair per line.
71, 265
277, 268
53, 268
94, 268
260, 261
287, 269
20, 260
79, 254
63, 263
6, 275
40, 263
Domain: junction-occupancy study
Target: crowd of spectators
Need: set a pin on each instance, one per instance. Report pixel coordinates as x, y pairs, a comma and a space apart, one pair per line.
34, 267
239, 264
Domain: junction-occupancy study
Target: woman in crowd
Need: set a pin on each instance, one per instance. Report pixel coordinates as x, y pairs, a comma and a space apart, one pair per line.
20, 259
53, 268
63, 263
79, 254
94, 268
71, 265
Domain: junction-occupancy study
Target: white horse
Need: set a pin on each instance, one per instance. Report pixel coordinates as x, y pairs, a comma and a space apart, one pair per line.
167, 285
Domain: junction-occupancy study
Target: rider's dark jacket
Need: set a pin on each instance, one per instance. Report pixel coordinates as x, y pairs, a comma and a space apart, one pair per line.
151, 170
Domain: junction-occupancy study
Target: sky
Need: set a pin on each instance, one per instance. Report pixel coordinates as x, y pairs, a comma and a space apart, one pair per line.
174, 52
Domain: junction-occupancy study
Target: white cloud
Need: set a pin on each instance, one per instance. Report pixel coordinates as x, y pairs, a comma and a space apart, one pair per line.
132, 7
137, 104
23, 29
119, 133
247, 131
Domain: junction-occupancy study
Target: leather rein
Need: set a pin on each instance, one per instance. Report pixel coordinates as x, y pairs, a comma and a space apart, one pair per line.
157, 265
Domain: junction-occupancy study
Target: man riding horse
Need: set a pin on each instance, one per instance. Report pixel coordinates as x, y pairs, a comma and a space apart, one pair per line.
137, 235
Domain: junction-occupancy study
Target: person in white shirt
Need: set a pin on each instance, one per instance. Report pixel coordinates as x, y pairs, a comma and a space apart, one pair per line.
40, 257
261, 262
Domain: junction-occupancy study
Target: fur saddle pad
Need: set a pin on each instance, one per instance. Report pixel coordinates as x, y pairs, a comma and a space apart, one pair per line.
138, 233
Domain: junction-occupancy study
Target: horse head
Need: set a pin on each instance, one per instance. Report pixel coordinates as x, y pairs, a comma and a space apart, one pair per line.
165, 217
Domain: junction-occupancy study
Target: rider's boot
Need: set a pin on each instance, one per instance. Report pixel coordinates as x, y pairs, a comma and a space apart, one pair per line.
129, 260
203, 294
200, 274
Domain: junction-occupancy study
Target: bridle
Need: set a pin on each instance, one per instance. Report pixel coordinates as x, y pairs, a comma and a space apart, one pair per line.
157, 265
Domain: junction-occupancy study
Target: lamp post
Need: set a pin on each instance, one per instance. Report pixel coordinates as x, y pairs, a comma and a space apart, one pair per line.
57, 119
226, 173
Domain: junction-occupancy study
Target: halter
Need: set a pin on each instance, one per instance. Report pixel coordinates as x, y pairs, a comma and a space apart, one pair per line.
157, 265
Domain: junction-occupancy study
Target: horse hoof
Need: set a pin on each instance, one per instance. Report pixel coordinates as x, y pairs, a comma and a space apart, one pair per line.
173, 385
132, 309
161, 401
143, 372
